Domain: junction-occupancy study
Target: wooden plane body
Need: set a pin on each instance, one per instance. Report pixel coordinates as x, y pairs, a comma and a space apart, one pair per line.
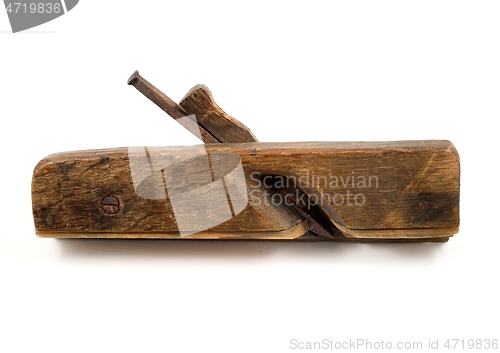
362, 191
234, 187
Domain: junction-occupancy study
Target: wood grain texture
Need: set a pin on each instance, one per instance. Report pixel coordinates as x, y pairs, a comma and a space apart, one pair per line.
414, 197
199, 101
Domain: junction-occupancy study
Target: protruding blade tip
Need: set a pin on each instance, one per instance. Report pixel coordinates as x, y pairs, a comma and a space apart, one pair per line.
134, 77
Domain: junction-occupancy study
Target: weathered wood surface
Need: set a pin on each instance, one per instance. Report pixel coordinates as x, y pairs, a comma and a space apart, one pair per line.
225, 128
413, 196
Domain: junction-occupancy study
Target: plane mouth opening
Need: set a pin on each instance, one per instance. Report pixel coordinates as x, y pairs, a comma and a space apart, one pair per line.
283, 191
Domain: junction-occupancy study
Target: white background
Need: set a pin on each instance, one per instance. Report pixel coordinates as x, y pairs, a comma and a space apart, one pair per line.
291, 71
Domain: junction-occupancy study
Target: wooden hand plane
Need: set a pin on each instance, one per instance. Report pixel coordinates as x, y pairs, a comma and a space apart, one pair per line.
234, 187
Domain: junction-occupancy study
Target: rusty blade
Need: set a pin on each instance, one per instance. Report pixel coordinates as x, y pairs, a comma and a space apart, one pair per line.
182, 116
170, 107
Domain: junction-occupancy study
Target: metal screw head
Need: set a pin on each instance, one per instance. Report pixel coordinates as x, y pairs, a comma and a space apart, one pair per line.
110, 205
421, 204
